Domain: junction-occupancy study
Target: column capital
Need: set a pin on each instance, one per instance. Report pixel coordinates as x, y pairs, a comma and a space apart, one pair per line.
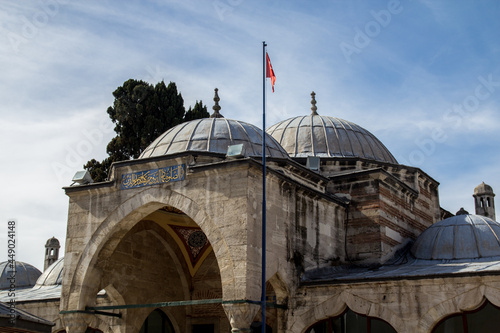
241, 315
76, 322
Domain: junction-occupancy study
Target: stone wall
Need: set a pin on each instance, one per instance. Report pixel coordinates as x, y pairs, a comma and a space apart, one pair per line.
388, 209
407, 305
47, 309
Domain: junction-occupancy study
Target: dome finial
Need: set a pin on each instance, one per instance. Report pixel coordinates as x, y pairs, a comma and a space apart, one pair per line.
313, 102
462, 211
216, 106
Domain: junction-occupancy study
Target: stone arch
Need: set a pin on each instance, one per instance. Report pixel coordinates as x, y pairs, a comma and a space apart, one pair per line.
373, 309
101, 325
280, 286
171, 319
169, 249
466, 301
322, 309
117, 298
133, 322
277, 287
336, 304
122, 219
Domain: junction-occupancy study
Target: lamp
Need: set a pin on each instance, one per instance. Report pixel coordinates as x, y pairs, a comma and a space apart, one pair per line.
82, 178
236, 151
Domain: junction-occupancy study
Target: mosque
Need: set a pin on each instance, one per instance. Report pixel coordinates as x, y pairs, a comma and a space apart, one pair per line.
356, 242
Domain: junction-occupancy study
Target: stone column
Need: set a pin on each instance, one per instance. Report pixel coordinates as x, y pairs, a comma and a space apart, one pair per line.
76, 322
241, 316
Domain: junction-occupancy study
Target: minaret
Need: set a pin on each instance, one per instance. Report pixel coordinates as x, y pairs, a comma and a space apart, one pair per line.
484, 200
51, 252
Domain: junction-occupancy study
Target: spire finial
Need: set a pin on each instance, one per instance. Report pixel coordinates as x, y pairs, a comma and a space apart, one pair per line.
216, 106
313, 102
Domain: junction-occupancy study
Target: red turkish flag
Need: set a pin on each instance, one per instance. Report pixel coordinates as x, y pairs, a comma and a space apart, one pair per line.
269, 71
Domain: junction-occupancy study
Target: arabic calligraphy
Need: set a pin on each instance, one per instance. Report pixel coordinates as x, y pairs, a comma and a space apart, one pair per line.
153, 177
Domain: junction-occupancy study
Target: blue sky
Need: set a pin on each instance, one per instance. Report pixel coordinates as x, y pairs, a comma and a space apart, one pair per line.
423, 76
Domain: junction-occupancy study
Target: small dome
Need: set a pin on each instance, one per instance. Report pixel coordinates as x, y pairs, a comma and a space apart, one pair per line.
483, 189
52, 275
459, 237
52, 242
213, 135
323, 136
26, 275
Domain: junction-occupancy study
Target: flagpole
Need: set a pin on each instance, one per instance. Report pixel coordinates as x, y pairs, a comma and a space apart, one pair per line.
263, 291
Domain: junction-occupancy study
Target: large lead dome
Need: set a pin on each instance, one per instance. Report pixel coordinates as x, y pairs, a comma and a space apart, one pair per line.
324, 136
215, 135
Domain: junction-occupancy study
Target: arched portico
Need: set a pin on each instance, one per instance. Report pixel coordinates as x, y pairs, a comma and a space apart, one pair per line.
84, 272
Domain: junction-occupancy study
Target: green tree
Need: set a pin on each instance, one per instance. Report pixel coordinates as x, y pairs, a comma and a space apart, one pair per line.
197, 112
141, 112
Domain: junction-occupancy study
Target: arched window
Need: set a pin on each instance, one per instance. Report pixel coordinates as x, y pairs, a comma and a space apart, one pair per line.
157, 322
484, 319
488, 203
481, 202
350, 321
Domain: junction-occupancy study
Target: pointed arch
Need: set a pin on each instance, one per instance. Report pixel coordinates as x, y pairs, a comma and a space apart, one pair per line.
333, 304
467, 301
114, 226
159, 321
280, 287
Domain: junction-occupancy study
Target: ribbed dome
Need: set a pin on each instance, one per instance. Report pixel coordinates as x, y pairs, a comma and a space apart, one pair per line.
52, 275
324, 136
459, 237
483, 189
26, 275
213, 135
